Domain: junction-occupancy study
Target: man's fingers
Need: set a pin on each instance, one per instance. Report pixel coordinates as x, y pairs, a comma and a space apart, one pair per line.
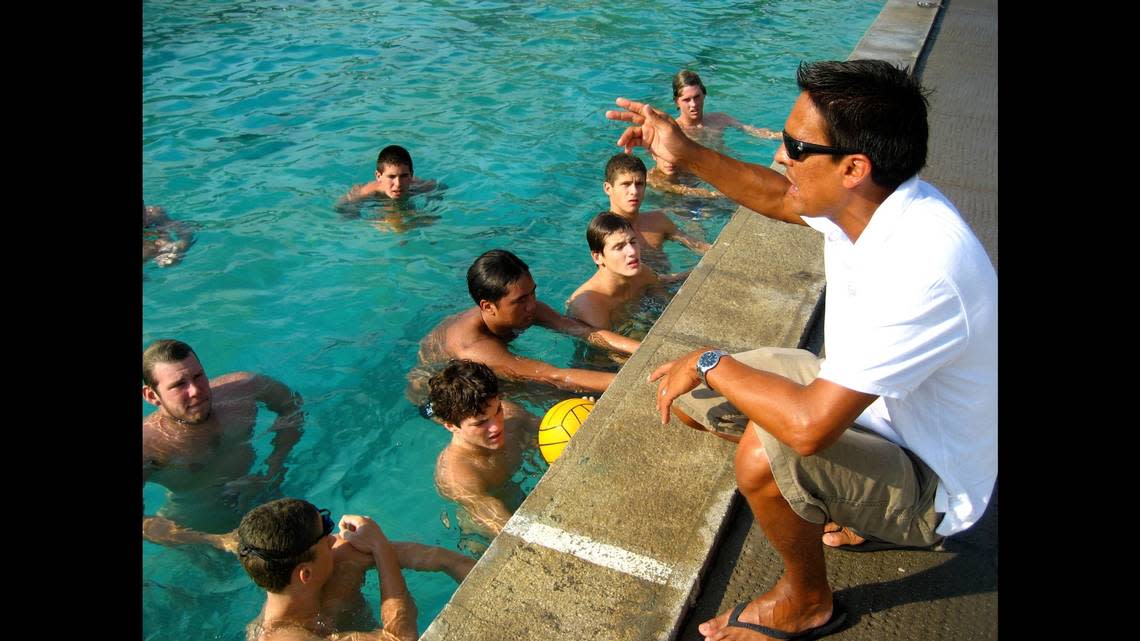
660, 371
664, 401
625, 116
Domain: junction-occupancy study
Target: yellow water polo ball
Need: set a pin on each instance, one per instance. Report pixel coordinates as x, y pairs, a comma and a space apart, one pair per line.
559, 425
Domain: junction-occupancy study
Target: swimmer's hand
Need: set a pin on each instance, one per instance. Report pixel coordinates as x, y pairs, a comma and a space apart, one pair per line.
362, 532
592, 399
653, 129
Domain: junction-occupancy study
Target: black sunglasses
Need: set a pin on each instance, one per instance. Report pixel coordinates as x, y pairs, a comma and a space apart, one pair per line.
327, 525
797, 149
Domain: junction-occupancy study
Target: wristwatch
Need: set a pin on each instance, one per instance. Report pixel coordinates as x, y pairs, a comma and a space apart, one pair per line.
707, 361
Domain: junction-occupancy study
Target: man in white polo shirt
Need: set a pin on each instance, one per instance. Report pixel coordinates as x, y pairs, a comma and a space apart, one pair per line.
891, 441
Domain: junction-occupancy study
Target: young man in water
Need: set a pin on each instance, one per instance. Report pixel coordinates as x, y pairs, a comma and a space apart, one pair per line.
197, 444
313, 577
621, 279
625, 187
164, 240
488, 438
505, 305
689, 95
395, 180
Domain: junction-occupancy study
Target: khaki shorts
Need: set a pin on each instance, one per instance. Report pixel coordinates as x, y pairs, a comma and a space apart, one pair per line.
862, 481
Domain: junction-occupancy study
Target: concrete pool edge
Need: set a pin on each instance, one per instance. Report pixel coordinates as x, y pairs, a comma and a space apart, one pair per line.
613, 541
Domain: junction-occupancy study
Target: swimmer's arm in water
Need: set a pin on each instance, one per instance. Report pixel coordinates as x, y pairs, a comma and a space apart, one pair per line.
288, 425
163, 531
603, 338
494, 354
397, 607
657, 181
674, 233
423, 186
674, 278
432, 558
349, 204
759, 132
286, 428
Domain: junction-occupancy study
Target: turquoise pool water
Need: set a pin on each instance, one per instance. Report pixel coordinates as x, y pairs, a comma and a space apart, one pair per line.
258, 115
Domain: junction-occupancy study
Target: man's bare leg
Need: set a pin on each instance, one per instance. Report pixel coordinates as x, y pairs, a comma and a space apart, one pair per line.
801, 599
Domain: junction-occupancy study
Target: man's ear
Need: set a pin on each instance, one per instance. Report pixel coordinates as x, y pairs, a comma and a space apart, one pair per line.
608, 188
856, 169
151, 396
304, 572
378, 174
488, 307
450, 427
597, 258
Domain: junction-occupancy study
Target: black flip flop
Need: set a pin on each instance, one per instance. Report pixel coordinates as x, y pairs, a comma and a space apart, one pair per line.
838, 616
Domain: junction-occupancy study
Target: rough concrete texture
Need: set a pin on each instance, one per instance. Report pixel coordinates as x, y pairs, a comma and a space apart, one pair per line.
637, 522
962, 68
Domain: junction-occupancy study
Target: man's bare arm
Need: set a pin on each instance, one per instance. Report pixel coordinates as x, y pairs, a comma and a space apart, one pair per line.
495, 355
288, 425
659, 183
754, 186
698, 246
350, 202
807, 418
603, 338
397, 607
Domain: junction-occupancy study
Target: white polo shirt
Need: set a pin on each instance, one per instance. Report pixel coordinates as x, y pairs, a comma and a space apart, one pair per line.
911, 315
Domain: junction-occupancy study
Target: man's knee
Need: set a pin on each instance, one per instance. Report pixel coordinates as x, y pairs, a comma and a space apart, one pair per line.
753, 470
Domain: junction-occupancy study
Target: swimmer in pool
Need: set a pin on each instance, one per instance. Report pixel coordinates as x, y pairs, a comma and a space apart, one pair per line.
164, 240
395, 181
605, 299
625, 186
488, 437
689, 96
505, 305
197, 444
707, 128
313, 578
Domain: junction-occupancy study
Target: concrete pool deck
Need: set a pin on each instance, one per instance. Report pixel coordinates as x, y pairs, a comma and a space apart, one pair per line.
637, 531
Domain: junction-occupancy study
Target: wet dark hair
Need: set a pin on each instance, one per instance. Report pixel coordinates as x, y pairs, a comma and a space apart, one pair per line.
394, 155
461, 390
872, 106
163, 350
624, 163
492, 273
686, 78
284, 524
602, 226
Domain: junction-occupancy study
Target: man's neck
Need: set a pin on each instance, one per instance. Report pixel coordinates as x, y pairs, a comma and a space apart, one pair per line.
281, 608
631, 217
857, 213
614, 283
502, 332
